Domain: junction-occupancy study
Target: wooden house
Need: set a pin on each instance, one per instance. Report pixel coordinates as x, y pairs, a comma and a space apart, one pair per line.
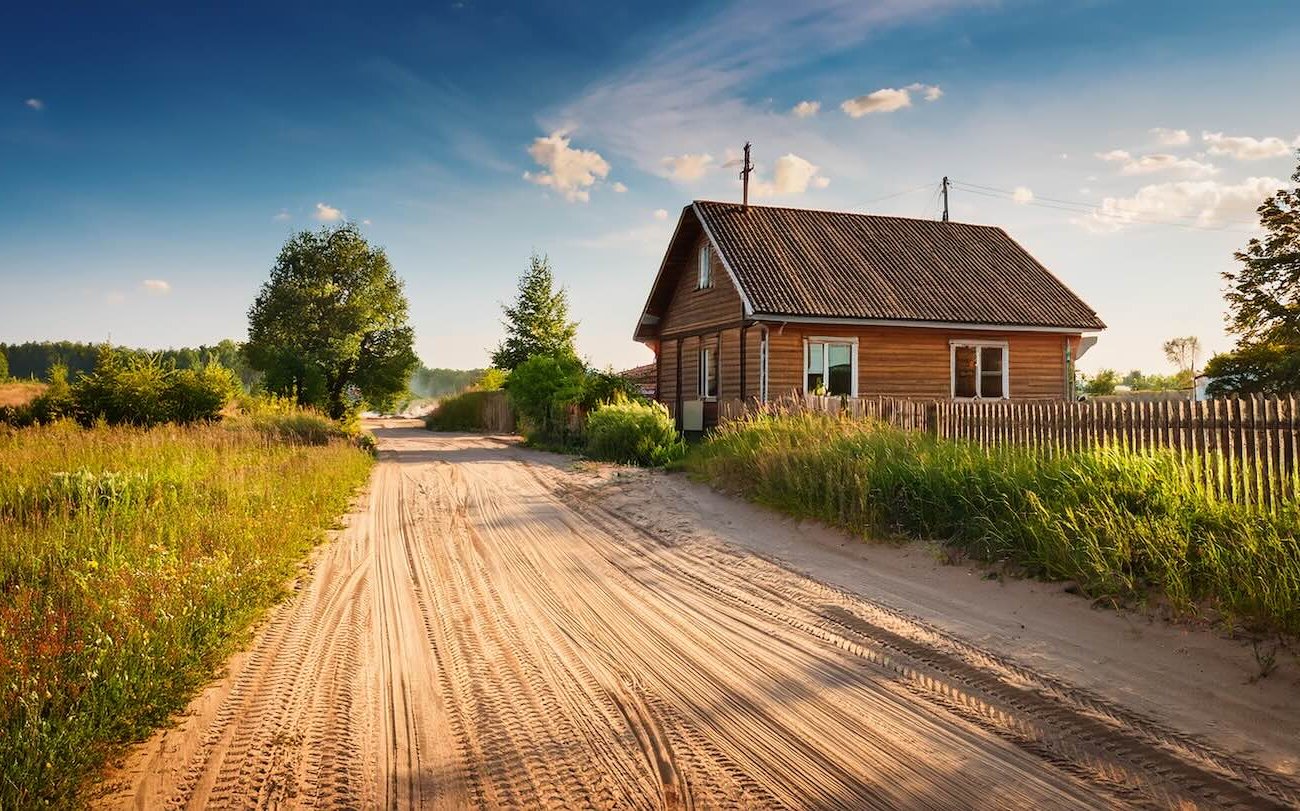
760, 301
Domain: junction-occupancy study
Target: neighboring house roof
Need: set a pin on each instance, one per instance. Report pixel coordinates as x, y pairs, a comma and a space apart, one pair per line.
641, 375
811, 264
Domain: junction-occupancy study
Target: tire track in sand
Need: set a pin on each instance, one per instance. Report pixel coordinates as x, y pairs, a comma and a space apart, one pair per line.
484, 635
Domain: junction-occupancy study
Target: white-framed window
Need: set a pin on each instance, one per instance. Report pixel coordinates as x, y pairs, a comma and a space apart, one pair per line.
980, 370
704, 274
831, 366
708, 385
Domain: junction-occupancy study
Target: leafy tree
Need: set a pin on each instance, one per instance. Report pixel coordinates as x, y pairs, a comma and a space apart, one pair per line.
491, 380
332, 315
1183, 352
1264, 305
538, 323
1102, 383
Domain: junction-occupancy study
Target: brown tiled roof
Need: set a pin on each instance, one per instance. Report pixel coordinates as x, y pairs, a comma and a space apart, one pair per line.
831, 264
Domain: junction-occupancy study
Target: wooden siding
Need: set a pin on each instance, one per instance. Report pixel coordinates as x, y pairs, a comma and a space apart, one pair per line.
729, 364
692, 310
668, 375
914, 361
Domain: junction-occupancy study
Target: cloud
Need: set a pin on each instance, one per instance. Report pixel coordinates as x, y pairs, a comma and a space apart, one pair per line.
156, 286
1199, 202
1022, 195
327, 213
365, 222
1115, 155
806, 109
885, 100
1167, 137
685, 168
619, 187
1148, 164
282, 216
889, 99
661, 213
1243, 147
571, 172
35, 104
791, 174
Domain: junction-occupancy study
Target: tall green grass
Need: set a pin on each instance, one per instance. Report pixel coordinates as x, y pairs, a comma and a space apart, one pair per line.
131, 560
1121, 524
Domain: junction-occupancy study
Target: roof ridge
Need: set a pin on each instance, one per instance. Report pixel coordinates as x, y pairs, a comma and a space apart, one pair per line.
849, 213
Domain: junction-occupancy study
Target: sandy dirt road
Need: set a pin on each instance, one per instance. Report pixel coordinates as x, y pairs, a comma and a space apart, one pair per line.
489, 631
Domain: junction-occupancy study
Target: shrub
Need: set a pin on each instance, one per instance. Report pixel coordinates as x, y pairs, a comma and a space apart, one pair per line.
491, 380
633, 433
141, 390
1119, 523
464, 412
541, 389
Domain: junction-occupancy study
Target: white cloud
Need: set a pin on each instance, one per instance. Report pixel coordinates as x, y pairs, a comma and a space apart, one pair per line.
806, 109
156, 286
1168, 137
685, 168
1198, 202
1243, 147
1115, 155
282, 216
1022, 195
884, 100
1148, 164
365, 222
35, 104
327, 213
661, 213
791, 174
931, 92
571, 172
619, 187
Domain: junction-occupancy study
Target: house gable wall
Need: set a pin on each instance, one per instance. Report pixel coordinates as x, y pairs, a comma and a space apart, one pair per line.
691, 311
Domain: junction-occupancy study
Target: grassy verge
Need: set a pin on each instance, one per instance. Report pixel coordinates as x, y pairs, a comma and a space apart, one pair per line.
130, 562
1120, 524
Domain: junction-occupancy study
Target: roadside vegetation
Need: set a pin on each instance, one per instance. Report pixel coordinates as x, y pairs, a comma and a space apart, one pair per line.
132, 561
1122, 525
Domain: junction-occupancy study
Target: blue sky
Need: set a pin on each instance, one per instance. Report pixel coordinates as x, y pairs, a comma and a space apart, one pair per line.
153, 161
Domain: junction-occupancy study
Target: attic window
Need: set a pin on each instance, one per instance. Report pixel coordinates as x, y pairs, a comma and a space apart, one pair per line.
704, 277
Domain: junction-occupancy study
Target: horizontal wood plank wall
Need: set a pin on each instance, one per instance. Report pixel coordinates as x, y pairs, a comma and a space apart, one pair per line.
691, 309
729, 363
668, 375
915, 362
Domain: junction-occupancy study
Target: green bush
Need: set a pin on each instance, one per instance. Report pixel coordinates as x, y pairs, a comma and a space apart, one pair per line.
129, 389
1119, 523
541, 389
491, 380
464, 412
55, 402
635, 433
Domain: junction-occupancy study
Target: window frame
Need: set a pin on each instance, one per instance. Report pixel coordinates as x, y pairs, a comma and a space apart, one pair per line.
826, 340
978, 344
709, 369
704, 268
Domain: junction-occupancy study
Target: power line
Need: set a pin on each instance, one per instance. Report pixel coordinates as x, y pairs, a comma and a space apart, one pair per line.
1077, 207
883, 198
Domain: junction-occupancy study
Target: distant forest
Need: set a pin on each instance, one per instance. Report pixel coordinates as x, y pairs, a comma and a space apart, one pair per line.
33, 359
441, 382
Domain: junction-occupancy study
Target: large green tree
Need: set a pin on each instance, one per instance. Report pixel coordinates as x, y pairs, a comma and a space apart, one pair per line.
538, 322
332, 317
1264, 305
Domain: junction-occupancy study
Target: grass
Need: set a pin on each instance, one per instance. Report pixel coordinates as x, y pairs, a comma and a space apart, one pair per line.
460, 412
15, 393
1121, 524
131, 562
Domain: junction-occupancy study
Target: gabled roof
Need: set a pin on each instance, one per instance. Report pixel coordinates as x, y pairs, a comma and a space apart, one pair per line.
808, 264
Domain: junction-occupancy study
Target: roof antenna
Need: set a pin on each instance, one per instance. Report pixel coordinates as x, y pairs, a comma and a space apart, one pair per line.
945, 198
746, 168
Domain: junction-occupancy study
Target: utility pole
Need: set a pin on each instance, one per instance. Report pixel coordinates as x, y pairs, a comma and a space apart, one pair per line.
745, 169
945, 198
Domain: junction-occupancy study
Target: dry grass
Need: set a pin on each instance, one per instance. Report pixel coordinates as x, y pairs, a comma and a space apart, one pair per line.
19, 392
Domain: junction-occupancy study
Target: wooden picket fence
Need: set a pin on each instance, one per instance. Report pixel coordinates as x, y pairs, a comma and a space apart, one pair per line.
1246, 450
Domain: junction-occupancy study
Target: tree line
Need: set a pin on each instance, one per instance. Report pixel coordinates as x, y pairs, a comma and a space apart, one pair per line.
35, 359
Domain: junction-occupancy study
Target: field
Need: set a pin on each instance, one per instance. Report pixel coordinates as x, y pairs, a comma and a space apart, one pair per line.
19, 392
132, 561
1124, 525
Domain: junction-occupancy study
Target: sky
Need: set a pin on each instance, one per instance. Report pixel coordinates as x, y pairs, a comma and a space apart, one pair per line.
154, 157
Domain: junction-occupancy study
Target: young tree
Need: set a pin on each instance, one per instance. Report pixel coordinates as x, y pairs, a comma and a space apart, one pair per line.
538, 323
1264, 305
1183, 353
333, 315
1102, 383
